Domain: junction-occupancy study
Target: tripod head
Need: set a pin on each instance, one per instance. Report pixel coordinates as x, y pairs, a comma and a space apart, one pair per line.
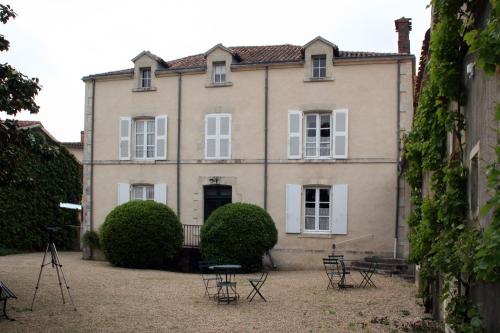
51, 229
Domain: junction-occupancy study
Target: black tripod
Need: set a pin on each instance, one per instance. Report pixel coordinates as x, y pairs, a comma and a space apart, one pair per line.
56, 263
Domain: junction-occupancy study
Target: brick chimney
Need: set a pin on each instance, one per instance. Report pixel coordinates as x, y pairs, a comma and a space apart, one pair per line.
403, 28
82, 135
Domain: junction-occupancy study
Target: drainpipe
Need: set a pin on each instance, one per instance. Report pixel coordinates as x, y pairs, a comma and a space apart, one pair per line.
398, 145
266, 111
91, 201
178, 162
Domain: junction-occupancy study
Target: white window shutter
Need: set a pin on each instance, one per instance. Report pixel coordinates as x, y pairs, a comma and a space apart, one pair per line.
210, 136
293, 203
160, 193
339, 211
340, 133
294, 134
123, 193
124, 144
224, 133
161, 127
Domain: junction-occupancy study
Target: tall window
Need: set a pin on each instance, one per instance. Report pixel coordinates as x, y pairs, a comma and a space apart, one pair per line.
143, 192
317, 209
146, 77
318, 135
219, 72
319, 66
145, 138
218, 136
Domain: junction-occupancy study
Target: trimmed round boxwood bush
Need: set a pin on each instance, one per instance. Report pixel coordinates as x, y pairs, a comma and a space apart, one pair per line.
238, 233
141, 234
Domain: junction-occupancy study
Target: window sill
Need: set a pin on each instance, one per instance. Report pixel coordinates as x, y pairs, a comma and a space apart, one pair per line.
219, 85
326, 235
144, 89
319, 79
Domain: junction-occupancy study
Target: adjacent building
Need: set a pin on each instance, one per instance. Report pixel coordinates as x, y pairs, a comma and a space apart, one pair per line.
311, 133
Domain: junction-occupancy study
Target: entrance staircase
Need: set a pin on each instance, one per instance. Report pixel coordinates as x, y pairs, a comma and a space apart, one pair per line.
387, 266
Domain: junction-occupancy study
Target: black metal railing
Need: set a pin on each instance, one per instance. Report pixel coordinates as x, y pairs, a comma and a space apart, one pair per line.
191, 235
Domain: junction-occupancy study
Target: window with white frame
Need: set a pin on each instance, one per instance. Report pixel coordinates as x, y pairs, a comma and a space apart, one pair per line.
145, 138
319, 66
218, 136
145, 77
318, 135
317, 209
325, 134
219, 72
142, 192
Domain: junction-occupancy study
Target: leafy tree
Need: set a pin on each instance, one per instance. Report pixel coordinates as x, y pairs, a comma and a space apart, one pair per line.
17, 93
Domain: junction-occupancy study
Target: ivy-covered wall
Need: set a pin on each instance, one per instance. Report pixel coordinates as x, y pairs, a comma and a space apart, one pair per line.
45, 174
446, 242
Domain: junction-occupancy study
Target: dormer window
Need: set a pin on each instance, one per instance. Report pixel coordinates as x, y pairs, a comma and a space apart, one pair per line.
219, 71
319, 66
145, 77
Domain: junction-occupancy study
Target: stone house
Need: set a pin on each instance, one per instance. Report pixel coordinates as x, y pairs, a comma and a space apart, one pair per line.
311, 133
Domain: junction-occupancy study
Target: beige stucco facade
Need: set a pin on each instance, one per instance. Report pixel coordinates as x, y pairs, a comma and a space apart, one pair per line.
366, 87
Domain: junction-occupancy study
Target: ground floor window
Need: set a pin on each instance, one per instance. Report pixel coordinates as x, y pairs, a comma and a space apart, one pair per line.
143, 192
317, 209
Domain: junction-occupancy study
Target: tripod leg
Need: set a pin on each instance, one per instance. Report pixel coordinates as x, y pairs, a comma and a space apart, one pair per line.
55, 262
58, 263
39, 276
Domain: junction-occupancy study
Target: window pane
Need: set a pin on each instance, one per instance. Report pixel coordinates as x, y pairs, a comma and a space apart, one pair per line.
311, 121
325, 133
139, 151
139, 126
151, 126
311, 133
224, 125
324, 151
316, 72
211, 148
322, 72
310, 194
340, 145
150, 195
224, 147
150, 139
211, 125
223, 78
150, 151
324, 223
324, 195
138, 193
309, 225
325, 121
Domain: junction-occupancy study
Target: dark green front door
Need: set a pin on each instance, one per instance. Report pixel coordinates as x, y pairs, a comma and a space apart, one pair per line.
215, 196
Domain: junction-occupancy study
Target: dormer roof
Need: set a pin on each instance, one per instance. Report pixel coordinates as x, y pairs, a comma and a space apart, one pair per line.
152, 56
324, 41
222, 47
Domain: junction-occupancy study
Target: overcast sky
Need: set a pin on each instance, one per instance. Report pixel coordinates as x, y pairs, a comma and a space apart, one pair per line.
60, 41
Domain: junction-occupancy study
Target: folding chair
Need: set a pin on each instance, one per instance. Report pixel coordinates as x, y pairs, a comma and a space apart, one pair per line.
345, 271
367, 276
332, 272
210, 279
257, 283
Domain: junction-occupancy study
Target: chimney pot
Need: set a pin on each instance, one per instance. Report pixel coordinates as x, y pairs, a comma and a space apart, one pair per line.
82, 135
403, 28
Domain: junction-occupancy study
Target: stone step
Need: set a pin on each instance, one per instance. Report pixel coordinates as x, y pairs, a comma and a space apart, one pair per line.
395, 261
385, 266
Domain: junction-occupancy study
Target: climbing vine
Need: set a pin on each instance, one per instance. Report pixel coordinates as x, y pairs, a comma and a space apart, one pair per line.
442, 241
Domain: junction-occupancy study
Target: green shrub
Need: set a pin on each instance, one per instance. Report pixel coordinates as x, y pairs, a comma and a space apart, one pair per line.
238, 233
45, 174
91, 239
141, 234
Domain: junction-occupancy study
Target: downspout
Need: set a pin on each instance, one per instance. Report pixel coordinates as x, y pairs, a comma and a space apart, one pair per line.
91, 201
266, 111
178, 162
398, 146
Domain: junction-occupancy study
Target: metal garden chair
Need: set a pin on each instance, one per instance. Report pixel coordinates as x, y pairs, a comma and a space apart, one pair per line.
257, 283
332, 271
5, 294
210, 280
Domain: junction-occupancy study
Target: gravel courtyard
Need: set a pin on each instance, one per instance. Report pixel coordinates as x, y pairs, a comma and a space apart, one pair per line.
111, 299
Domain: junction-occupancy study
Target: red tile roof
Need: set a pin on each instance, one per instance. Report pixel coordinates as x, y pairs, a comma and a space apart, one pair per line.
27, 123
252, 55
